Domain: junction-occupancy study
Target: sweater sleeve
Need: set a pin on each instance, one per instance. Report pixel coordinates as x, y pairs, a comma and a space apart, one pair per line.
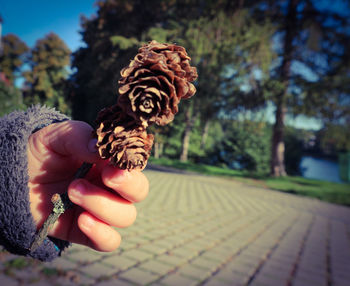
17, 226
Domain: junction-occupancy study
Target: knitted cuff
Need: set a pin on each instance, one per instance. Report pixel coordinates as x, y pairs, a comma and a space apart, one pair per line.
17, 226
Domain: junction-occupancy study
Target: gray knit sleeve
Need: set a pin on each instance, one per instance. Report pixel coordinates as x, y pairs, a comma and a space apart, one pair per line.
17, 227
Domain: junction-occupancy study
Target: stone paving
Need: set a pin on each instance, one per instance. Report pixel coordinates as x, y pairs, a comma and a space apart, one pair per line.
197, 230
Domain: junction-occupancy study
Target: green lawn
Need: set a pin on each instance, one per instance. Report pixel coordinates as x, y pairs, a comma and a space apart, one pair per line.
338, 193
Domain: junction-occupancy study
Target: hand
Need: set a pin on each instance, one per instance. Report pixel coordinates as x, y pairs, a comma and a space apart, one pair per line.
104, 198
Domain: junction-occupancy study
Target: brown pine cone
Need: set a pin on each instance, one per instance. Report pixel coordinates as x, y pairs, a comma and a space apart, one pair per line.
154, 82
128, 148
150, 89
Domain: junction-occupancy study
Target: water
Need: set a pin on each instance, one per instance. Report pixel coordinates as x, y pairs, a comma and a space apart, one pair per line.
320, 169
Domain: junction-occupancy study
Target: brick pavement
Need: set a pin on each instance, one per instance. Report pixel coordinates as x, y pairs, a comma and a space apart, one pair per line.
197, 230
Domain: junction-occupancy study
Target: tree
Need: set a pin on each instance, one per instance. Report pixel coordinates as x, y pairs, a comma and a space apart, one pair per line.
311, 43
45, 81
12, 54
227, 47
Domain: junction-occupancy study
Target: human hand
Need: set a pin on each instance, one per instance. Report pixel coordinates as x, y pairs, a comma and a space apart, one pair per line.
104, 198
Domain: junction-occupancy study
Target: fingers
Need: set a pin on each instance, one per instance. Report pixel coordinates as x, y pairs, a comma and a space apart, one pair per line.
71, 138
103, 204
78, 226
56, 151
133, 185
100, 236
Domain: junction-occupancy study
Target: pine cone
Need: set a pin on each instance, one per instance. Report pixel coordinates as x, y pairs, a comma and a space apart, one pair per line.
127, 147
150, 89
154, 82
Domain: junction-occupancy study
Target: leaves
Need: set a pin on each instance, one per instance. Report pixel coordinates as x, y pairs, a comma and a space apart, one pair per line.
123, 42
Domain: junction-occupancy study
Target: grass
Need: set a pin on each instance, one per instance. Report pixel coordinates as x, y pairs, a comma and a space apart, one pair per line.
338, 193
197, 168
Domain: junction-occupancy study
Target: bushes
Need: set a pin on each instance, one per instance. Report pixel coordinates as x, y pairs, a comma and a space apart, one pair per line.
245, 145
241, 145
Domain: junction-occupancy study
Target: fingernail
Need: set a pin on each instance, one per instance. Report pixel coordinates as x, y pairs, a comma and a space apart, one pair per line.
92, 145
77, 192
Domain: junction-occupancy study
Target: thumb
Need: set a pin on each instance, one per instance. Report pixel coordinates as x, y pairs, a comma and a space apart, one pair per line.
72, 138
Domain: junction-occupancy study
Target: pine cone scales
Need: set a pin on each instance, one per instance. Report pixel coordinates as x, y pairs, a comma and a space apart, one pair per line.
127, 149
154, 82
151, 88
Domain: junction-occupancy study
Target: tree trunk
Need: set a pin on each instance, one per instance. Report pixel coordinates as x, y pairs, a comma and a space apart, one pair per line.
185, 144
156, 150
161, 149
277, 154
277, 159
189, 121
205, 133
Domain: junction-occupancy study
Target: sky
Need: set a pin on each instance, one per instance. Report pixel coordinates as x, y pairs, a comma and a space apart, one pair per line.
33, 19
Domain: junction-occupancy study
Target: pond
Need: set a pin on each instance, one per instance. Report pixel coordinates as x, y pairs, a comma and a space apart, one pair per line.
320, 169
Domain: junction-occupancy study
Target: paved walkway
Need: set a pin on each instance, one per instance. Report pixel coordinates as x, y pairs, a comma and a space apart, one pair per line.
196, 230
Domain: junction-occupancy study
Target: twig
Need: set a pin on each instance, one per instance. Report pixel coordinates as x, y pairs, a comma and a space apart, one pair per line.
61, 203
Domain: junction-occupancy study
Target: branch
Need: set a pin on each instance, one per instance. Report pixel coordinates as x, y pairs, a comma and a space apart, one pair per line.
61, 203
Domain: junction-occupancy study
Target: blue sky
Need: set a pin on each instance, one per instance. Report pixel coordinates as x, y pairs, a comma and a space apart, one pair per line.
33, 19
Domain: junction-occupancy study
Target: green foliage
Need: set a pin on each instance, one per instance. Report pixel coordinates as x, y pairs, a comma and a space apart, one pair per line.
334, 138
159, 34
227, 49
12, 56
170, 136
10, 98
216, 134
124, 43
245, 145
45, 81
236, 144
